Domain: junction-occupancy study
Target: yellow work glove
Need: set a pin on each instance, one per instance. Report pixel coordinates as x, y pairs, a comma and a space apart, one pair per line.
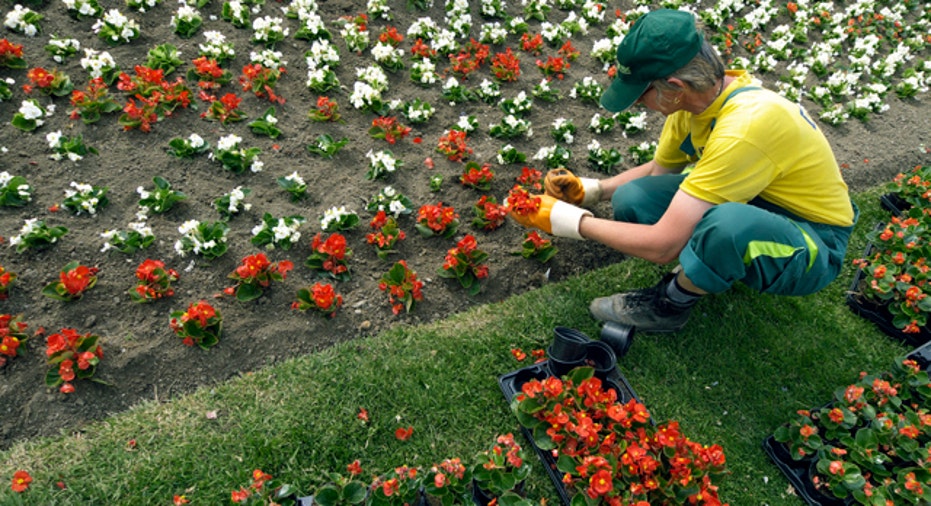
554, 217
566, 186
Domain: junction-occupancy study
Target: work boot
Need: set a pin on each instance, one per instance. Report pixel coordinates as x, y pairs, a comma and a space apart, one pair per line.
646, 309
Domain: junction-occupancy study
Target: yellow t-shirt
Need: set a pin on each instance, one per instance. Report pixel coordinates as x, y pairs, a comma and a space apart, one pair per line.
761, 145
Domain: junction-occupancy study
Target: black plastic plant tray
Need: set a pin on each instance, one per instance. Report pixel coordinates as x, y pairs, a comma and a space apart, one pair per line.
922, 355
895, 204
798, 473
511, 384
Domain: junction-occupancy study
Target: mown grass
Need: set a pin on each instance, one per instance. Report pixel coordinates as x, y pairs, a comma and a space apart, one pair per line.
742, 366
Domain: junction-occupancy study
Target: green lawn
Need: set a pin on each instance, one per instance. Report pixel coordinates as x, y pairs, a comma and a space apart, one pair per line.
742, 366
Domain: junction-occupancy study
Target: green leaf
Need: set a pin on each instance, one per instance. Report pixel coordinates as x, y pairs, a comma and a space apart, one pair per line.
246, 292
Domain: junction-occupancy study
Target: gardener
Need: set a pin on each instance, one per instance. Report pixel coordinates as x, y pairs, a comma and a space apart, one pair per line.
763, 203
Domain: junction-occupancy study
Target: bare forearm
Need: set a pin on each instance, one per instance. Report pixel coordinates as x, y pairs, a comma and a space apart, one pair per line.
632, 239
610, 184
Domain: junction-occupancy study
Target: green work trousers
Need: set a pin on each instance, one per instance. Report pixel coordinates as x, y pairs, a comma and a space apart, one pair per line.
759, 244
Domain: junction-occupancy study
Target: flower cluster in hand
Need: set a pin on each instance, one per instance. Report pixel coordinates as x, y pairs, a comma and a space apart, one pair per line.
386, 234
254, 274
65, 350
537, 248
522, 202
153, 281
488, 214
330, 255
437, 220
610, 451
464, 263
321, 297
201, 325
12, 334
73, 280
871, 442
403, 286
897, 270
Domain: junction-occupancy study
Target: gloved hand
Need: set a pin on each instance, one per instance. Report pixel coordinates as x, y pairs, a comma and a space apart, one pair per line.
554, 217
566, 186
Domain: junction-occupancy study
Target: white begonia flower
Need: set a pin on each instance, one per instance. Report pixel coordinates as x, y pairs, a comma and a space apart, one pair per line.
195, 141
229, 142
188, 227
31, 110
257, 166
54, 139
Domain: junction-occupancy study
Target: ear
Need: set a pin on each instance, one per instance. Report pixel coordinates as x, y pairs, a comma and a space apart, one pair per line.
678, 83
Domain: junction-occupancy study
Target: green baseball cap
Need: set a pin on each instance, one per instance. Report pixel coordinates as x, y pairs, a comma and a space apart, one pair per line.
660, 43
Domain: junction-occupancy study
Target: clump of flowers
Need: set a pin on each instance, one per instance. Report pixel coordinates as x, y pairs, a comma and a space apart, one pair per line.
391, 201
162, 197
266, 124
277, 232
509, 154
476, 176
114, 28
100, 64
216, 47
385, 234
207, 239
913, 187
262, 490
153, 281
236, 158
338, 219
158, 98
537, 248
587, 90
235, 12
186, 21
563, 130
327, 147
294, 184
601, 159
36, 234
225, 109
553, 67
500, 468
93, 102
68, 348
326, 110
11, 55
320, 297
452, 144
403, 286
330, 255
354, 31
6, 282
488, 214
14, 190
188, 148
381, 163
505, 66
437, 220
642, 153
12, 336
31, 115
389, 129
23, 20
73, 280
72, 148
255, 274
423, 72
631, 122
208, 73
201, 324
48, 82
138, 235
511, 127
85, 198
232, 203
464, 263
553, 156
164, 57
261, 81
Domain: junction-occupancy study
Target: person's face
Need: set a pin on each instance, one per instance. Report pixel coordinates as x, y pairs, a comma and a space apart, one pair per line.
652, 100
